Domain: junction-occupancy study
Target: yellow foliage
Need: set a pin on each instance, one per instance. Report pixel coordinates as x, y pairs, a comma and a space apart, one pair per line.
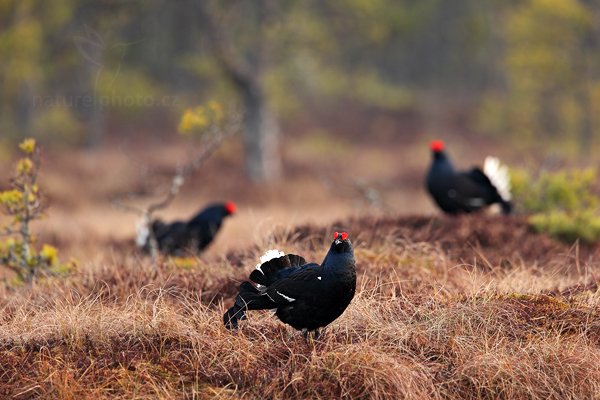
184, 262
217, 110
28, 146
6, 246
11, 198
193, 119
24, 166
49, 254
196, 121
22, 203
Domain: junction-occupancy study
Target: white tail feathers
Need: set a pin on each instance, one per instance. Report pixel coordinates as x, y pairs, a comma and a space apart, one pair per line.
143, 232
499, 176
268, 256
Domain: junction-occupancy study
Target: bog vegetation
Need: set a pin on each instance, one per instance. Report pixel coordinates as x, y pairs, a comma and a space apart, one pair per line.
564, 203
23, 204
425, 323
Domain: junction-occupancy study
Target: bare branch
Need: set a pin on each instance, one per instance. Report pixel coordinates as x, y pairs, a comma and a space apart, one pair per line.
364, 190
215, 140
118, 203
214, 137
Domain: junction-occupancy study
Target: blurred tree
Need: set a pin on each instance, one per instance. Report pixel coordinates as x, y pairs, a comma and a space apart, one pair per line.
527, 66
243, 56
552, 69
20, 70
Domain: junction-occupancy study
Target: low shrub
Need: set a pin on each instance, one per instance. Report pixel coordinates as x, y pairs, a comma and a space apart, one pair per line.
563, 204
24, 203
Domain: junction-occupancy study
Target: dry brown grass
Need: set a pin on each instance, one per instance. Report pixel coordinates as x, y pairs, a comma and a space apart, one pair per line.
423, 325
473, 307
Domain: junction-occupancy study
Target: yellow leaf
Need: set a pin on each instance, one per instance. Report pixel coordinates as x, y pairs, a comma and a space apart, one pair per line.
27, 145
49, 253
24, 166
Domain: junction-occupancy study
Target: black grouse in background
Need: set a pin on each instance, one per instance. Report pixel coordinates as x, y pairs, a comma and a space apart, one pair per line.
179, 237
467, 191
307, 296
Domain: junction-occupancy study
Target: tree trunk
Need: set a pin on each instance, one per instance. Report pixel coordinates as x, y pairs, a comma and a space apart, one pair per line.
261, 130
261, 133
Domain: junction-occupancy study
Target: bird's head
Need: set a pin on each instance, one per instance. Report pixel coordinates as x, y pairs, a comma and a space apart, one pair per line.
341, 253
341, 243
437, 148
230, 208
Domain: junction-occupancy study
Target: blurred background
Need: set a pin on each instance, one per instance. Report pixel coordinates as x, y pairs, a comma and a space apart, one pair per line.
338, 98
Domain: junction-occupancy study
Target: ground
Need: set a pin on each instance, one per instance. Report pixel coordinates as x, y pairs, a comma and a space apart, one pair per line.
469, 307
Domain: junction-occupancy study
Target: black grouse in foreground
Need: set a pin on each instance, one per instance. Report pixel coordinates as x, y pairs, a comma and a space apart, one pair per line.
467, 191
194, 235
307, 296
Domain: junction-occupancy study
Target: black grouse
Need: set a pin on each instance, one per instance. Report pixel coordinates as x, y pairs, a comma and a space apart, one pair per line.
467, 191
307, 296
179, 237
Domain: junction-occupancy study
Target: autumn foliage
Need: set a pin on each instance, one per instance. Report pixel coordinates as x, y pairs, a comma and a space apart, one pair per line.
23, 204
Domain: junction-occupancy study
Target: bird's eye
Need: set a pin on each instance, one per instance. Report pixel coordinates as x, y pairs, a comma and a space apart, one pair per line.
335, 235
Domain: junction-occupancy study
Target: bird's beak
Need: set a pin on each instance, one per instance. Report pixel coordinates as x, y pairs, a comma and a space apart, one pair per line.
337, 241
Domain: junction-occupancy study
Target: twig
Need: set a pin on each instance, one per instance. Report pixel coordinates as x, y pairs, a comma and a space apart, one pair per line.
216, 136
366, 191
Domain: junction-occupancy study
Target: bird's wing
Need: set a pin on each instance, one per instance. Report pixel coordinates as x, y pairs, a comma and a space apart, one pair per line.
172, 237
477, 175
304, 282
495, 181
472, 188
201, 233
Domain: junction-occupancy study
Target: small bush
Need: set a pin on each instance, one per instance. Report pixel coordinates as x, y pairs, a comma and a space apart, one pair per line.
563, 204
202, 120
24, 203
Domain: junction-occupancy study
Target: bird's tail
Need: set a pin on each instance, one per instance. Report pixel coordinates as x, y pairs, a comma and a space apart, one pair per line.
145, 227
143, 233
499, 176
249, 298
506, 207
271, 263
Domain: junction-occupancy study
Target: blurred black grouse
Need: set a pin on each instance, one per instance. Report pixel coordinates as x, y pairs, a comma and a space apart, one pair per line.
467, 191
305, 296
179, 237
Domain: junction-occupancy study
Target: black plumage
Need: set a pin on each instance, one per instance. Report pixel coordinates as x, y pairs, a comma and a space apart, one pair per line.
195, 235
307, 296
464, 191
